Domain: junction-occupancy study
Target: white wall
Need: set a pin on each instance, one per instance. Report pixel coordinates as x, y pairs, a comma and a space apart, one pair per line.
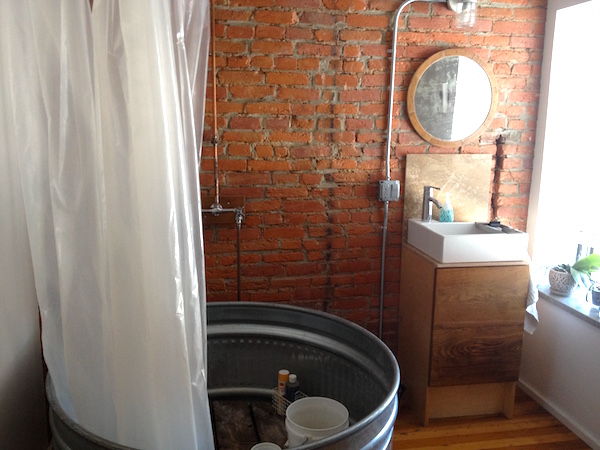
560, 365
560, 368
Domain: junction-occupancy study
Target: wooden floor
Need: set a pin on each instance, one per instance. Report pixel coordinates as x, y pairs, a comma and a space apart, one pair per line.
531, 428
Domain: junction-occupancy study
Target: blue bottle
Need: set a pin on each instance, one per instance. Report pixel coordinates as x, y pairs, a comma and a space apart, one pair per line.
447, 212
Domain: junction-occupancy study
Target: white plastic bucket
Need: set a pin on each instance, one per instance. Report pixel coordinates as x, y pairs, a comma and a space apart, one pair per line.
313, 418
266, 446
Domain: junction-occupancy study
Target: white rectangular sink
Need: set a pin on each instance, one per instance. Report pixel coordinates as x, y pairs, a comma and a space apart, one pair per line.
467, 242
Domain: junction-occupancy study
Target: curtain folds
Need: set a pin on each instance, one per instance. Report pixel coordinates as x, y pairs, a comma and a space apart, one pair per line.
103, 110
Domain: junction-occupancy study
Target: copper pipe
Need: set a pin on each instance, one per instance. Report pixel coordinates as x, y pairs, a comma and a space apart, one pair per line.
239, 216
215, 139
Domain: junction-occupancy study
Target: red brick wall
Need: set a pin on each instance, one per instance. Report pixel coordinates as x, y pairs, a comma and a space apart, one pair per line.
302, 110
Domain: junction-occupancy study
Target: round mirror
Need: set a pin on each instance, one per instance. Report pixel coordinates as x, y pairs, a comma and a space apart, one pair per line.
451, 98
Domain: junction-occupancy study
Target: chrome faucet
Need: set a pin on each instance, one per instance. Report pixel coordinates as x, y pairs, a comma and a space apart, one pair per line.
428, 201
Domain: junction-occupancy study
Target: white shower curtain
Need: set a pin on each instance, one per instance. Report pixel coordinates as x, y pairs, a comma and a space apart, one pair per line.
100, 116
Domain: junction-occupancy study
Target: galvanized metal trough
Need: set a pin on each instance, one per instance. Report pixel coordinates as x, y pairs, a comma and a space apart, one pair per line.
247, 345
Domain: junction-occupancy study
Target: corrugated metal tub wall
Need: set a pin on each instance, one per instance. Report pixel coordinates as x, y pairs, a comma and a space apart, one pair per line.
247, 345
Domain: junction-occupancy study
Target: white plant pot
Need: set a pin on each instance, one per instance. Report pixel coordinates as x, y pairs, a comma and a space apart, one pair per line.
561, 283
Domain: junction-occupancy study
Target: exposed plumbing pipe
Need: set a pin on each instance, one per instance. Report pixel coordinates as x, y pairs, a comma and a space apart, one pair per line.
216, 208
383, 244
388, 152
215, 139
239, 216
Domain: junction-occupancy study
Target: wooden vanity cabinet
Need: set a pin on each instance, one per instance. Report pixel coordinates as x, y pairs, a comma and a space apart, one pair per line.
460, 335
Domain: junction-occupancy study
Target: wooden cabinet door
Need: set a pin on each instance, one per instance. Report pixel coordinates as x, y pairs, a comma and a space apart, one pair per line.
478, 324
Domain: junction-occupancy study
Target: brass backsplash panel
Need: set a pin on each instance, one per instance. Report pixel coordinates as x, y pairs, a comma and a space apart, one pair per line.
466, 177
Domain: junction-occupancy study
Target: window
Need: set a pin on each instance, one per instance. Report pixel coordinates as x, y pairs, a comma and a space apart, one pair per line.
565, 196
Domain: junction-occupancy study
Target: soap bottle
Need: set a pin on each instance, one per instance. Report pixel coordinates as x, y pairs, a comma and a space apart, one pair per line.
447, 212
291, 388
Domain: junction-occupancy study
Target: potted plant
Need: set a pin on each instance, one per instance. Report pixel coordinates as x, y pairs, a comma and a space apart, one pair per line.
564, 278
595, 291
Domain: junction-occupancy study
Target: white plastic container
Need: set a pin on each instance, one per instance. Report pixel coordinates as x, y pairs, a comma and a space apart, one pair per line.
313, 418
266, 446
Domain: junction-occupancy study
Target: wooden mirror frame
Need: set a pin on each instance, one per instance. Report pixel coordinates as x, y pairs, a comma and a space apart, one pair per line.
413, 87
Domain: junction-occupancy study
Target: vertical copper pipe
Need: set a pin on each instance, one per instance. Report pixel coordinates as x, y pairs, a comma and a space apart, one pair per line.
215, 139
238, 221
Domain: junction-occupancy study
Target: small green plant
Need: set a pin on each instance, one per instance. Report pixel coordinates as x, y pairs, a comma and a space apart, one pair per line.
582, 270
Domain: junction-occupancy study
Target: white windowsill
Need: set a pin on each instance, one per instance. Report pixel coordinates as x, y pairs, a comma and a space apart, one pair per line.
574, 304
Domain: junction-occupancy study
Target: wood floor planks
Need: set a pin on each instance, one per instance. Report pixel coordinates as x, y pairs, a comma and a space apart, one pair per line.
531, 428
